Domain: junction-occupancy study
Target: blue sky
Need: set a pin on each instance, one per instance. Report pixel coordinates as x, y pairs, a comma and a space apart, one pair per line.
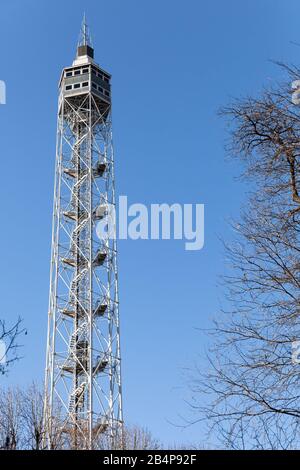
173, 64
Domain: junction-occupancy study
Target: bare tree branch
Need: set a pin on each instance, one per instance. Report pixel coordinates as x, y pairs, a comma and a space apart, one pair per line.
9, 351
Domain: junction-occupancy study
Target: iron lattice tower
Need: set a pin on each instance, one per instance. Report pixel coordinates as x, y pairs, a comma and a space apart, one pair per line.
83, 399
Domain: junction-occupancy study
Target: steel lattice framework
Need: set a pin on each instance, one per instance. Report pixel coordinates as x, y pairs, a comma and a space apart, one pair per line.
83, 380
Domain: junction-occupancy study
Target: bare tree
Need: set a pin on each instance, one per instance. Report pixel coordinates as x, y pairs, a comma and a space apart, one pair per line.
10, 419
21, 420
132, 438
253, 382
139, 438
32, 404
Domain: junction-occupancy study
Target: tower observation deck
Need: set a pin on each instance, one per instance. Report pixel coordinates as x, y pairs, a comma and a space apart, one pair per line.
83, 401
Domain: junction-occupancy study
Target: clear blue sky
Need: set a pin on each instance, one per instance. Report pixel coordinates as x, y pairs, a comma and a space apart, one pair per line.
173, 64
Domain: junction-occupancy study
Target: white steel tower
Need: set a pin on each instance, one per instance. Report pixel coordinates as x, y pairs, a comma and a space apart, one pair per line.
83, 399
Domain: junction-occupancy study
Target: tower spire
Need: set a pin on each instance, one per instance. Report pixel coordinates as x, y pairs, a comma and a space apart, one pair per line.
85, 38
84, 30
85, 51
